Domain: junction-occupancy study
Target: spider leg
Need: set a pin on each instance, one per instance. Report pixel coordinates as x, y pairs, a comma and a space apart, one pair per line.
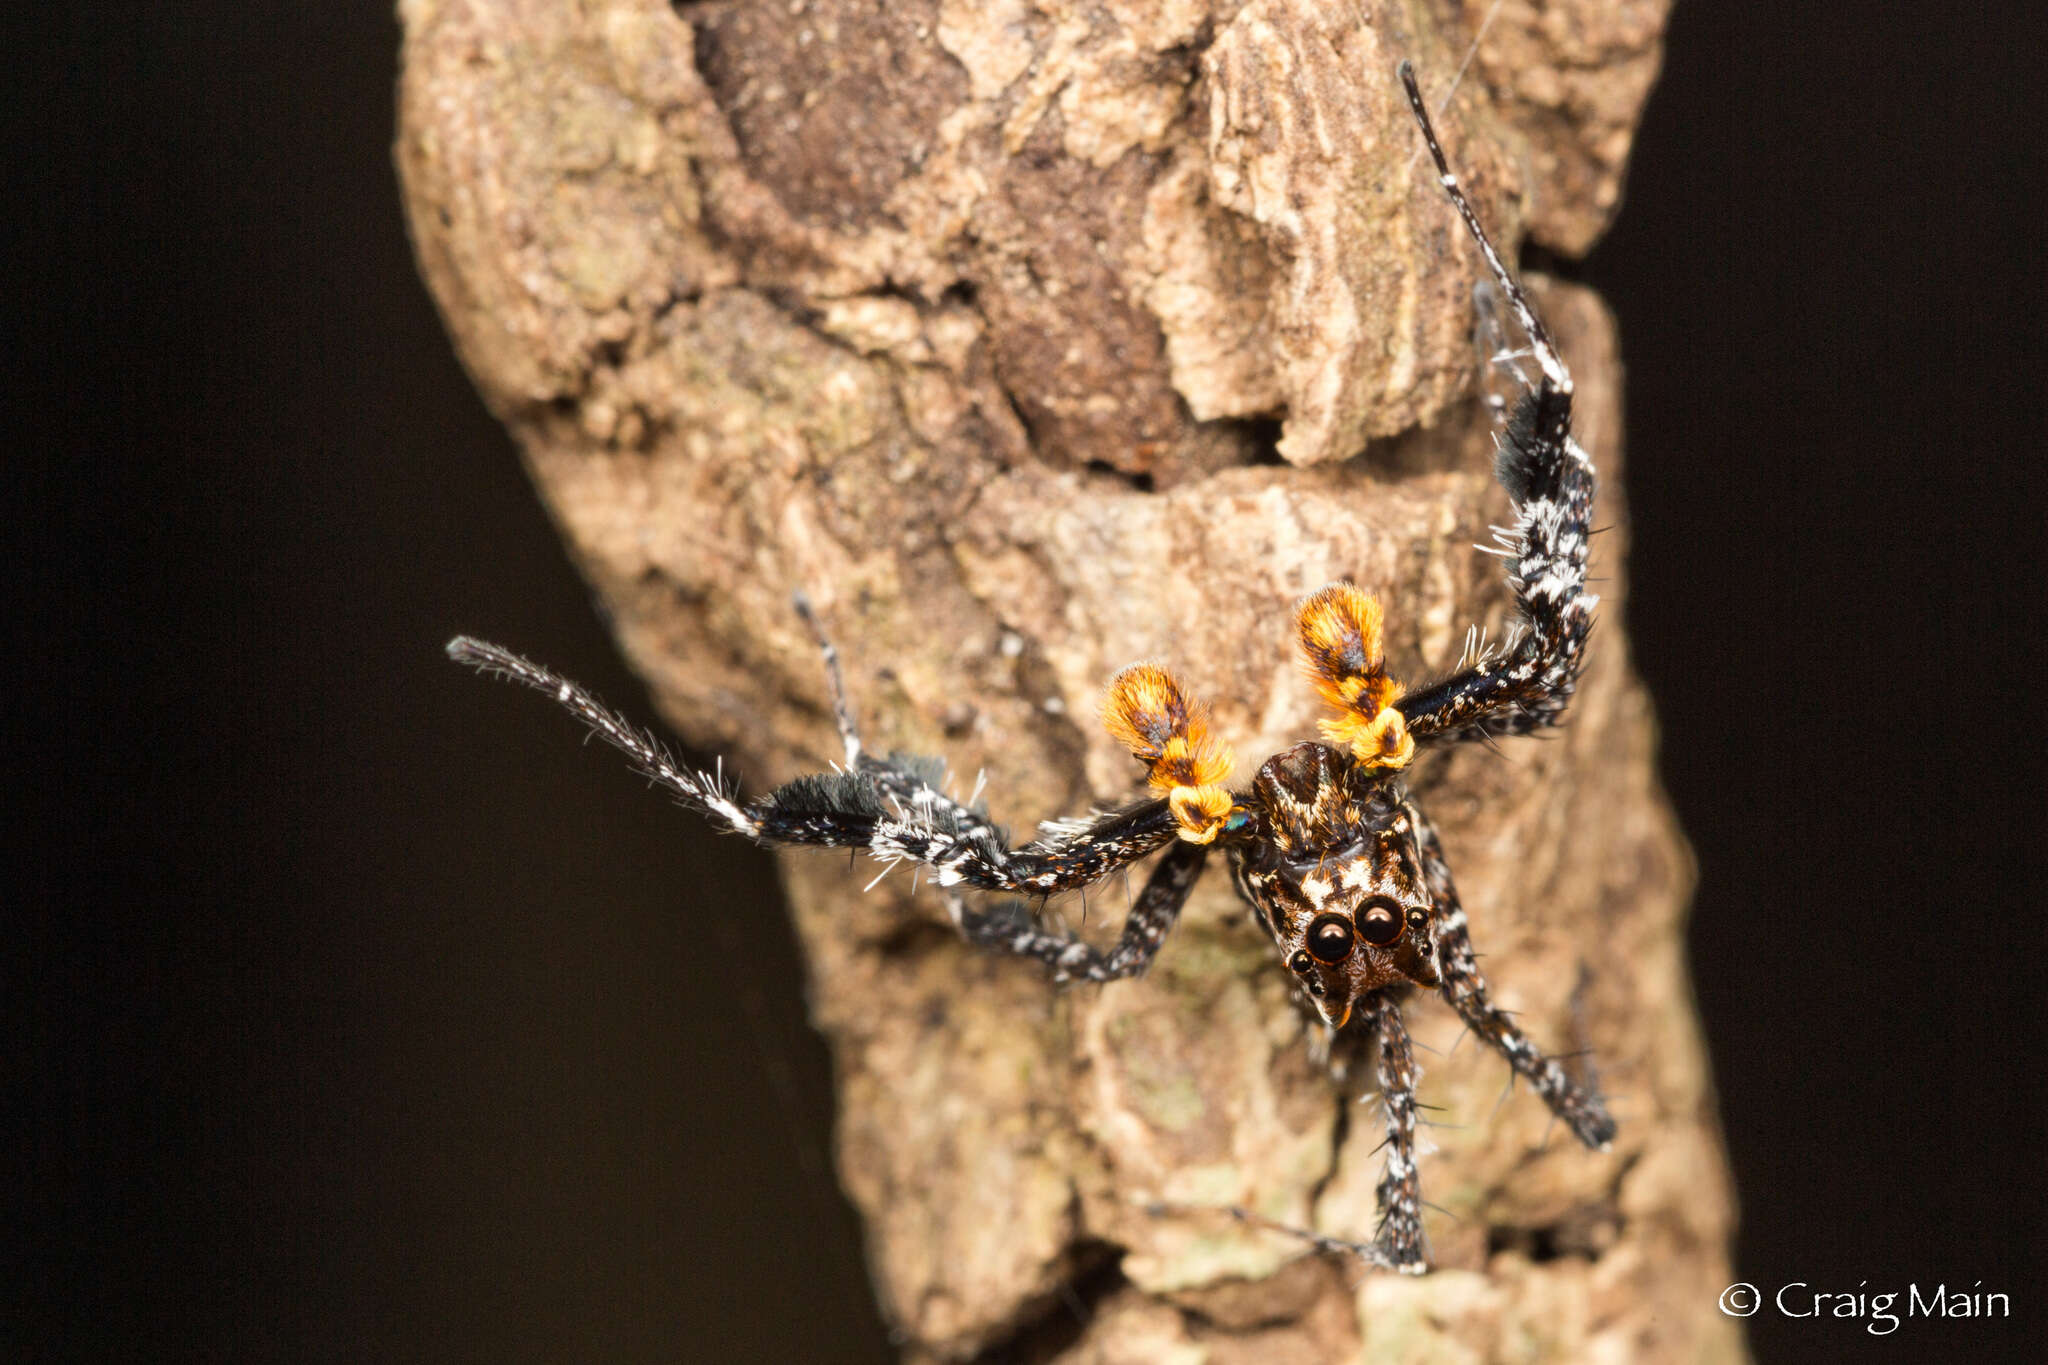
842, 711
1399, 1244
907, 779
856, 810
1008, 926
1502, 363
1549, 477
1399, 1240
1370, 1253
1579, 1106
861, 809
702, 792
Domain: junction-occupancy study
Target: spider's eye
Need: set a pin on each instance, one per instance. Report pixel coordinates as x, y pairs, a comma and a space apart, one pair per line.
1330, 939
1379, 921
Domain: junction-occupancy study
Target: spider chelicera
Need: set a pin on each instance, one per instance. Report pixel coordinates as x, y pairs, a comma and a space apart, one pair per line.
1339, 865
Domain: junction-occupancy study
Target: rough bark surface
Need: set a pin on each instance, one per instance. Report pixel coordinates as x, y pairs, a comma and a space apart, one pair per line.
1033, 337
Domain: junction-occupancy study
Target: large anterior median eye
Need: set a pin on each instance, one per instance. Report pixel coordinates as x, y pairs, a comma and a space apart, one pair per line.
1330, 939
1379, 921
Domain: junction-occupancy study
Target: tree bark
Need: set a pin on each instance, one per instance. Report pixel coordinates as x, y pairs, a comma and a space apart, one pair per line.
1031, 338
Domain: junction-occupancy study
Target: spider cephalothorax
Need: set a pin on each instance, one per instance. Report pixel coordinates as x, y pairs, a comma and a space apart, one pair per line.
1338, 864
1338, 882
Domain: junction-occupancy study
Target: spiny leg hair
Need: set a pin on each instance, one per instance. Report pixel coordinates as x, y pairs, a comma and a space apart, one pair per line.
1526, 683
857, 809
1579, 1106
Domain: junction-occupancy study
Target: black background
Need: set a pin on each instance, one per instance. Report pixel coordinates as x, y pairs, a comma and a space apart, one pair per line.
354, 1014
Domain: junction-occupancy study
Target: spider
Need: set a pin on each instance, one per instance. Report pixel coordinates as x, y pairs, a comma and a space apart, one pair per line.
1338, 864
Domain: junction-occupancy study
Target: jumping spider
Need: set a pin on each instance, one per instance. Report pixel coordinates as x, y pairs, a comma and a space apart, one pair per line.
1338, 864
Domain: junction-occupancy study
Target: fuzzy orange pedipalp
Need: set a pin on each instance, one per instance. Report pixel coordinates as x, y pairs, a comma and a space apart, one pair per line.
1340, 630
1381, 741
1153, 716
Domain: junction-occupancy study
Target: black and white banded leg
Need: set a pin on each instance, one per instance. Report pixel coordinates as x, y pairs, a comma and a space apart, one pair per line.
1526, 683
909, 780
1399, 1244
1400, 1240
861, 810
1009, 927
1579, 1106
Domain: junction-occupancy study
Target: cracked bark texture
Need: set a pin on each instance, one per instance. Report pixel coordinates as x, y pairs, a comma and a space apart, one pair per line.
1031, 338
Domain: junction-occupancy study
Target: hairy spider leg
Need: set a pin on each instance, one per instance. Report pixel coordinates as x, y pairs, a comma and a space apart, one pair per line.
1579, 1106
906, 779
1554, 371
1399, 1244
1368, 1252
1527, 683
1400, 1239
1008, 926
705, 793
842, 711
854, 810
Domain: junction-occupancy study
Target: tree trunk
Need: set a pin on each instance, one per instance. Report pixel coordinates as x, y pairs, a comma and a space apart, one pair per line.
1031, 338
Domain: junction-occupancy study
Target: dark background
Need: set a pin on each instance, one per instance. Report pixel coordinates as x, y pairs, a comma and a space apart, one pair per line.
354, 1014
